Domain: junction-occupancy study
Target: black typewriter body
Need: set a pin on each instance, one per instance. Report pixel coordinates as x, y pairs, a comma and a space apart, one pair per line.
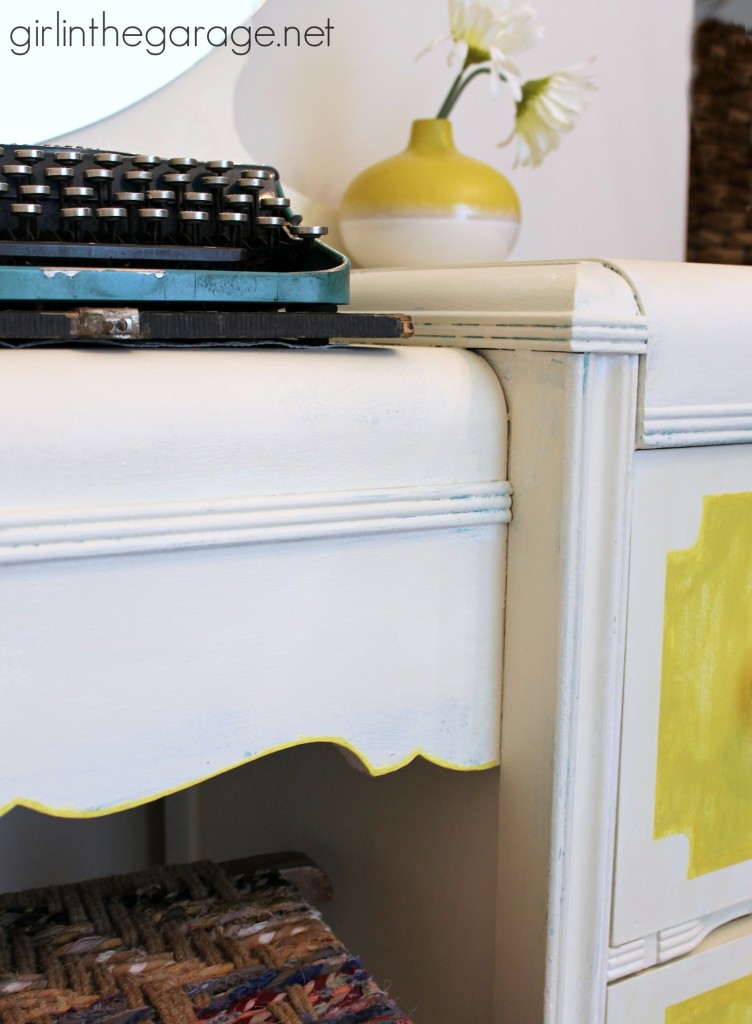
131, 248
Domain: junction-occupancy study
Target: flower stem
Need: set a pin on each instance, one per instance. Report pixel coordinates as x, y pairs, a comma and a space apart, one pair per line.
458, 86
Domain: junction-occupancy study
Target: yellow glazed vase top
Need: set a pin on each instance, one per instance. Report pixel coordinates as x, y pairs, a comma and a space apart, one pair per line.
431, 175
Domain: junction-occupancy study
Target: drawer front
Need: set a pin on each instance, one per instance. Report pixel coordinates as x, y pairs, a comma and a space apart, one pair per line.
684, 837
711, 986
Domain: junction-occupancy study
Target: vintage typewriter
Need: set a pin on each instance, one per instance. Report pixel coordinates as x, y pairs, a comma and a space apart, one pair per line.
136, 249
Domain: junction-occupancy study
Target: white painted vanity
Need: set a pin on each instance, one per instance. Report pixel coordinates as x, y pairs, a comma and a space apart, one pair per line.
522, 539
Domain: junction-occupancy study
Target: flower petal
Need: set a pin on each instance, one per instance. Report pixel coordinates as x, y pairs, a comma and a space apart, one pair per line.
547, 108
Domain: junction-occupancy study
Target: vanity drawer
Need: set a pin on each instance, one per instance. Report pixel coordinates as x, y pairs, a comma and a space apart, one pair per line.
684, 836
713, 985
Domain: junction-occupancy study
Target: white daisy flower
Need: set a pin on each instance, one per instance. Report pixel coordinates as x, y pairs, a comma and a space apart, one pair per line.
489, 31
547, 108
487, 25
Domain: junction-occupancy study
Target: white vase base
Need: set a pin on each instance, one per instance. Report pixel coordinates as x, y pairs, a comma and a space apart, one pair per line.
428, 241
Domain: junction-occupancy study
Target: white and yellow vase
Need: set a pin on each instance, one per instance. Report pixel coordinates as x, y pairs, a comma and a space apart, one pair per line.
429, 206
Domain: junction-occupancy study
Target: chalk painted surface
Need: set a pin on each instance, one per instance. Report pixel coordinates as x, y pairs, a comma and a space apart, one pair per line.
252, 550
684, 838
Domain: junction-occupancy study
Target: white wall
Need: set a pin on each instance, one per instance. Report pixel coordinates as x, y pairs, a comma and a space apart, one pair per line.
377, 839
38, 850
617, 186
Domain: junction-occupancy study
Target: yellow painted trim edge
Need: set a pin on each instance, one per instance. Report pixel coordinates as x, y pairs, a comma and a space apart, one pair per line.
373, 770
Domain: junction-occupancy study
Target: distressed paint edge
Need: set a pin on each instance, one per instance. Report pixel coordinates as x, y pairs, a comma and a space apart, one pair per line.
554, 332
373, 770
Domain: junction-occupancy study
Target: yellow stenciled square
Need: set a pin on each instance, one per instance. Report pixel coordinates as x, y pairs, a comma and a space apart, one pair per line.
704, 771
729, 1004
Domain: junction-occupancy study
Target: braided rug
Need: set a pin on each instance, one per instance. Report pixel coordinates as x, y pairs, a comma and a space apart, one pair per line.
178, 945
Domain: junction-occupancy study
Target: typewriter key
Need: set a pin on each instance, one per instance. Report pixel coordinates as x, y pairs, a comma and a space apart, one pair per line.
146, 162
243, 203
179, 183
271, 228
194, 223
108, 159
102, 180
26, 209
183, 163
28, 217
231, 226
215, 181
253, 187
131, 201
275, 202
220, 165
309, 230
30, 156
75, 192
136, 178
59, 178
153, 221
59, 175
21, 172
34, 191
160, 195
69, 157
72, 218
307, 234
239, 200
111, 217
96, 174
258, 172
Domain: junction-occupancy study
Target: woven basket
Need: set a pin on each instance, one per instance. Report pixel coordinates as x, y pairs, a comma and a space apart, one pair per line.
719, 224
178, 945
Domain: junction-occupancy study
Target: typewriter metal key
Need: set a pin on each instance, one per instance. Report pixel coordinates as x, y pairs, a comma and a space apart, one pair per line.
69, 157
